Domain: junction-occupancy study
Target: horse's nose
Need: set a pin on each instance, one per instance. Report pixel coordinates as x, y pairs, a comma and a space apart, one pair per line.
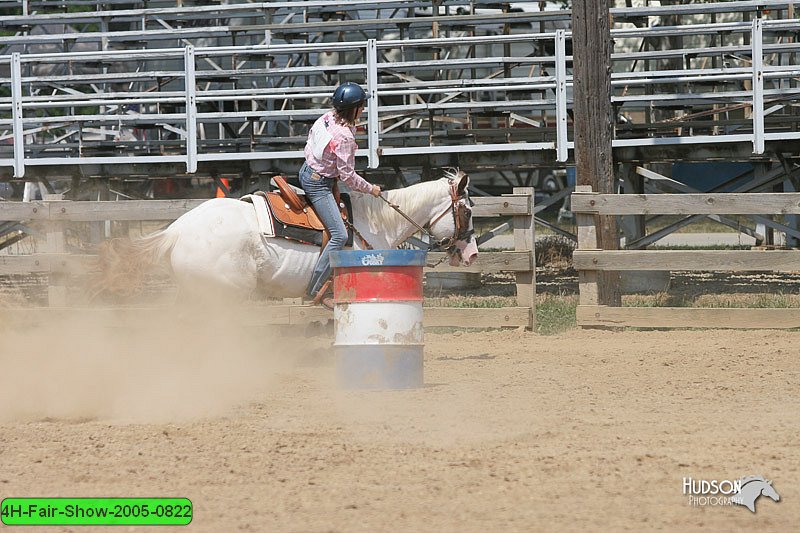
469, 252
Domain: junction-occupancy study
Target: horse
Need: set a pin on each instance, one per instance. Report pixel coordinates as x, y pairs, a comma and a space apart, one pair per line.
217, 251
752, 488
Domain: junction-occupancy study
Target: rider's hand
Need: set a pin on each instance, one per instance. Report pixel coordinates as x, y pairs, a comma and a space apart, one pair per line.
376, 191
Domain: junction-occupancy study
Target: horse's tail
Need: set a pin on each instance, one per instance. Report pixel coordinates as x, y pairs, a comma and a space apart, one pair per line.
123, 262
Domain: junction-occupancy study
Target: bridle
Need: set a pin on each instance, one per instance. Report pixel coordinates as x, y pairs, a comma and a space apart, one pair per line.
461, 216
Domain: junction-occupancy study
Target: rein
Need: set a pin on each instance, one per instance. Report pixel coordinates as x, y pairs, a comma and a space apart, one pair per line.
445, 244
352, 226
422, 229
397, 208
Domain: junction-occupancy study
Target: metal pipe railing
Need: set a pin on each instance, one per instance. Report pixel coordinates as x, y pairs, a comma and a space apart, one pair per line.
374, 67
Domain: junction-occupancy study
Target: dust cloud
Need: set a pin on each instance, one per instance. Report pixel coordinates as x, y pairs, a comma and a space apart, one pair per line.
164, 365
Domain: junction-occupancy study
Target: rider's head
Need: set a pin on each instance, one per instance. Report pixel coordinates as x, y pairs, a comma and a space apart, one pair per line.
348, 101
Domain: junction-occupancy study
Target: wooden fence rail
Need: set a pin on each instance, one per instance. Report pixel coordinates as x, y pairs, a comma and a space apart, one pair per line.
59, 265
589, 259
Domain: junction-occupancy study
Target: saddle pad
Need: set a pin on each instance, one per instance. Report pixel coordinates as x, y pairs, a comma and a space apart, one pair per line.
263, 216
265, 225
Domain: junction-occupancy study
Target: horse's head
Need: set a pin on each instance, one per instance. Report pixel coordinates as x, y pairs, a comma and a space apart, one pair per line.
455, 233
751, 488
768, 490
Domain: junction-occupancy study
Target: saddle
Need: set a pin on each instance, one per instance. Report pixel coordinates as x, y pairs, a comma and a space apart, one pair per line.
294, 217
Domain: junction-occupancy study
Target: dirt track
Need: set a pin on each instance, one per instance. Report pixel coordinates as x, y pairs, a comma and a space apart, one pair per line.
515, 432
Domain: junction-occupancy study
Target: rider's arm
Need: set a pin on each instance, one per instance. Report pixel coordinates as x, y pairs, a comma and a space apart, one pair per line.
345, 150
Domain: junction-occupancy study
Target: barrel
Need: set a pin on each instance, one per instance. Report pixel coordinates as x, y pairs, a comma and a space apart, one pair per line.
378, 318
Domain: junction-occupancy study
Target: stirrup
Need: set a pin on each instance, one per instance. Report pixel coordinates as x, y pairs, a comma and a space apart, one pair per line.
327, 302
320, 297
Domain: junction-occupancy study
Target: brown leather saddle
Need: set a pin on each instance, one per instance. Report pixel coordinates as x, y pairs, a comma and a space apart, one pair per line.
294, 217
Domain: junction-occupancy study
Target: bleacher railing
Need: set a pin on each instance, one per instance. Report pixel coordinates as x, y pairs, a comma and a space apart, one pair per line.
491, 93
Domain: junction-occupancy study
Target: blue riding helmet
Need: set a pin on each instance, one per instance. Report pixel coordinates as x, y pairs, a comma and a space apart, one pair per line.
348, 95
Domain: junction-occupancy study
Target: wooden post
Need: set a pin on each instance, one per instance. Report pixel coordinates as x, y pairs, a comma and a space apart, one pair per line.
57, 282
525, 239
587, 240
594, 122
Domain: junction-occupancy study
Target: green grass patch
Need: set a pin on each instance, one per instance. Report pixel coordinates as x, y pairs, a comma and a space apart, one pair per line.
555, 313
478, 302
659, 299
724, 301
758, 301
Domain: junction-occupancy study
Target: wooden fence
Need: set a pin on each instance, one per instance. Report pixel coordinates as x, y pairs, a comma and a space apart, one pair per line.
589, 259
59, 265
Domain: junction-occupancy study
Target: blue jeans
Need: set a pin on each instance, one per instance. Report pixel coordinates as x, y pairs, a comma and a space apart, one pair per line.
320, 193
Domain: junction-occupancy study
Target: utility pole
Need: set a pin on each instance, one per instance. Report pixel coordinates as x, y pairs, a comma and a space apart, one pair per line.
594, 120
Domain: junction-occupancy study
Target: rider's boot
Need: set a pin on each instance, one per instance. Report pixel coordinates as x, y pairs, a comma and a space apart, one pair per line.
324, 297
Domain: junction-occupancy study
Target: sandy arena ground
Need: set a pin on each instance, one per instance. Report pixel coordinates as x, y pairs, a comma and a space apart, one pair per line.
585, 431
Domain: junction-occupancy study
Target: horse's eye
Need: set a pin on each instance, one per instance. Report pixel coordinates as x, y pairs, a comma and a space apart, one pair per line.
465, 215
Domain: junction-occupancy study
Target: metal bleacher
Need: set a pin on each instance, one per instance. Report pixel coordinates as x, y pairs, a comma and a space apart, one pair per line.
154, 89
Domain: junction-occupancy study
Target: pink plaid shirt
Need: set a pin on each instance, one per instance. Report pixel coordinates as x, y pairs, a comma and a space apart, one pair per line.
338, 157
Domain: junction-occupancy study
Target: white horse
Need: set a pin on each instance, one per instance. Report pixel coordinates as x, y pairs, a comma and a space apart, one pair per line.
217, 250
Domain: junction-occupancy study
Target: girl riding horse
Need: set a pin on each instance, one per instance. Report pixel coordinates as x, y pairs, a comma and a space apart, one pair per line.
330, 156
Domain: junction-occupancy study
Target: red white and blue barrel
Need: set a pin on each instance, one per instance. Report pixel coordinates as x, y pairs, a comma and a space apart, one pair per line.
378, 318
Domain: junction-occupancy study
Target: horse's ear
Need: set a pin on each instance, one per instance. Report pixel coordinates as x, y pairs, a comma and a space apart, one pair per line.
463, 182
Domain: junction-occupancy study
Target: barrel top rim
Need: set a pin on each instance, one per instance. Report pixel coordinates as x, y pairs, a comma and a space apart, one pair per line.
378, 258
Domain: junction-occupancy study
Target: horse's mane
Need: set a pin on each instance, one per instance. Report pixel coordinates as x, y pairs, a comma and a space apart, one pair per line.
454, 173
749, 479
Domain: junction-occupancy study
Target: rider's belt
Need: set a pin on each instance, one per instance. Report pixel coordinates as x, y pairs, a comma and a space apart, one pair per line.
316, 176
